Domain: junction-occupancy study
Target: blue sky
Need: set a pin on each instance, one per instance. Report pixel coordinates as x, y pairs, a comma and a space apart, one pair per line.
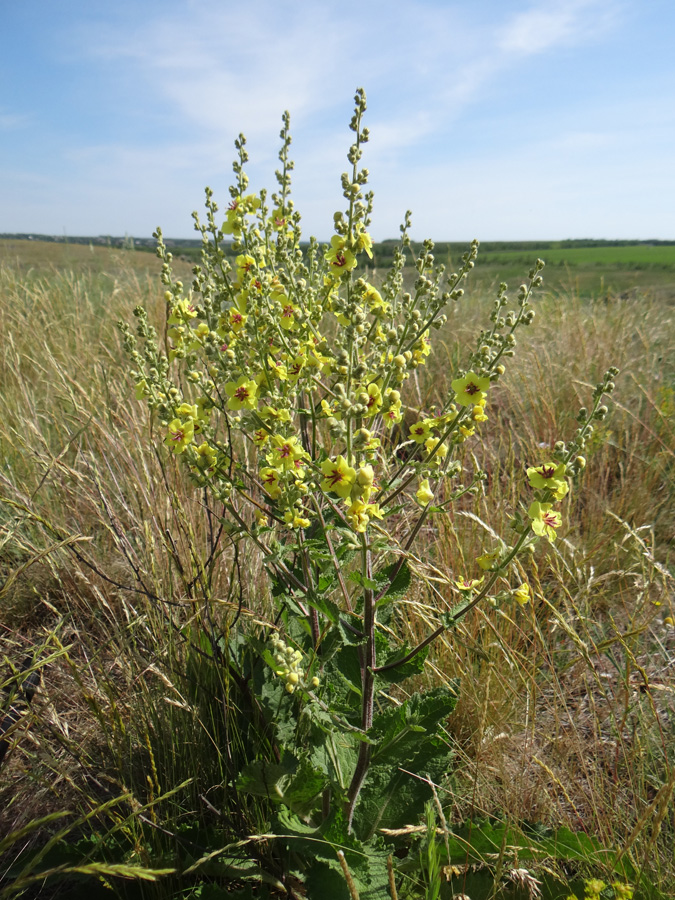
540, 119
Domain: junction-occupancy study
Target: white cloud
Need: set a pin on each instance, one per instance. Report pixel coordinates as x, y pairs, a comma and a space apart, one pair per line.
555, 23
13, 121
228, 73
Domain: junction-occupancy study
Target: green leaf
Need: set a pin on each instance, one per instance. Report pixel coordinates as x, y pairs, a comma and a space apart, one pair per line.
326, 583
335, 754
294, 783
405, 670
347, 665
395, 793
367, 862
324, 605
282, 597
402, 732
348, 636
399, 587
326, 881
429, 708
366, 583
450, 619
279, 706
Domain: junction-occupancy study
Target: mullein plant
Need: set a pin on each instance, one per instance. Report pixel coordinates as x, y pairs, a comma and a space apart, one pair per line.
279, 383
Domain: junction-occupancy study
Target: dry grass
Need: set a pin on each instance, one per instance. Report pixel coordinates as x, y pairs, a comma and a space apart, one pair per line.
567, 705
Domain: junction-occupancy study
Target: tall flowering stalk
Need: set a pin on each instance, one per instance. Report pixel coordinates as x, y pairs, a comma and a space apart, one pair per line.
282, 385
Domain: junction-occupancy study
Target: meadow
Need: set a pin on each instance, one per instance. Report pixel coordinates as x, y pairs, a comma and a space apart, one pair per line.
564, 730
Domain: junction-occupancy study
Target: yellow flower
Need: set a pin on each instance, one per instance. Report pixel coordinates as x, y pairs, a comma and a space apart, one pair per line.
424, 493
289, 311
440, 451
471, 389
317, 360
544, 521
270, 481
478, 413
198, 336
363, 241
250, 203
364, 481
359, 514
392, 412
236, 211
421, 431
342, 259
242, 394
376, 304
374, 402
204, 408
421, 349
295, 520
274, 414
180, 435
187, 411
278, 370
244, 264
142, 389
522, 594
592, 887
234, 218
260, 437
182, 312
280, 221
365, 440
285, 452
549, 476
327, 410
487, 560
295, 367
468, 584
237, 320
340, 476
206, 458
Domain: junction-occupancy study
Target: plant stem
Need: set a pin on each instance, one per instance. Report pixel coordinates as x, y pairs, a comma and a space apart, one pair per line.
368, 663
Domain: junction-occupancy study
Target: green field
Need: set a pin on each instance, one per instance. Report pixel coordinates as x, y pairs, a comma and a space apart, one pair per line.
590, 271
636, 256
